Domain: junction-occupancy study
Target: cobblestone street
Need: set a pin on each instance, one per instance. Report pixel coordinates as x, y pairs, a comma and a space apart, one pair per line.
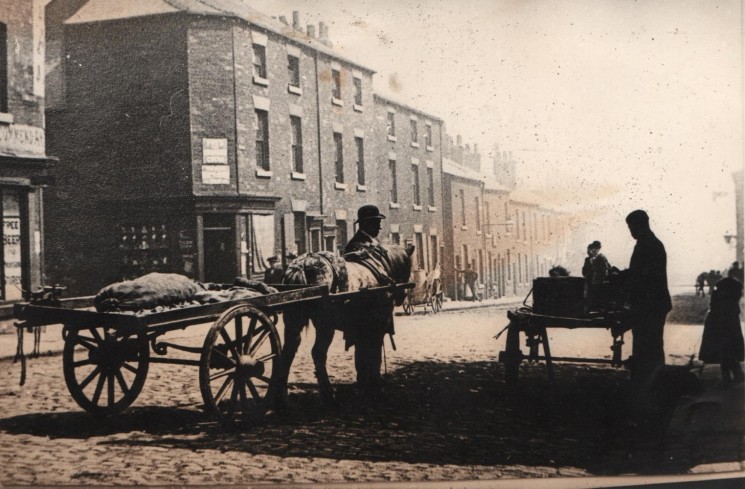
447, 416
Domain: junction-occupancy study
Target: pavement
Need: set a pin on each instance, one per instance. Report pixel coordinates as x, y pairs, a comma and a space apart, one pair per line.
706, 432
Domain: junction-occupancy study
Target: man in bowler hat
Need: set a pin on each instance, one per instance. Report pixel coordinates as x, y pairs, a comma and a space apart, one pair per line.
368, 219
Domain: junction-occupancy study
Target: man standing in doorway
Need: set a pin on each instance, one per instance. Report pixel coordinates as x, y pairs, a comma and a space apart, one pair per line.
648, 298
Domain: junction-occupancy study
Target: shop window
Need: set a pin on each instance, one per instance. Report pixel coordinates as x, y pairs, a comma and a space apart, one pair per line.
262, 139
144, 248
296, 133
338, 145
12, 246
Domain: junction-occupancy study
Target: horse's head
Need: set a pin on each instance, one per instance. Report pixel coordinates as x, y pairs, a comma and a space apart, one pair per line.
399, 258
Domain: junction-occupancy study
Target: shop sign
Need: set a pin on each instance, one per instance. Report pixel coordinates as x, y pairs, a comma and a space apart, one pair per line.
20, 140
214, 151
12, 257
216, 174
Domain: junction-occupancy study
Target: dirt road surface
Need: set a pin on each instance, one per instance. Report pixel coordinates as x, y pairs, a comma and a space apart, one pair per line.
447, 415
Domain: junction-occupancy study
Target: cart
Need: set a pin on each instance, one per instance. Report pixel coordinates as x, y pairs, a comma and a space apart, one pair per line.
427, 293
559, 308
106, 355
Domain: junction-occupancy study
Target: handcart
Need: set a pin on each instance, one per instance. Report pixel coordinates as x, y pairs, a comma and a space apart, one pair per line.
427, 292
559, 303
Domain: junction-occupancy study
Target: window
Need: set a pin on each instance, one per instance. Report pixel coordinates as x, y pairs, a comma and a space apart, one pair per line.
297, 143
262, 139
358, 91
315, 240
428, 136
477, 208
392, 124
433, 251
259, 60
3, 68
430, 186
396, 238
415, 180
336, 88
487, 218
359, 142
394, 181
329, 243
419, 243
414, 132
339, 157
293, 70
462, 207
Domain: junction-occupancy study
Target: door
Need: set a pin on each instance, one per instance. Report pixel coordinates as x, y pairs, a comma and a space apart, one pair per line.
219, 248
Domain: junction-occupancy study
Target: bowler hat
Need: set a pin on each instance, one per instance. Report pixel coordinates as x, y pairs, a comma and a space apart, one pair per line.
272, 259
368, 212
595, 245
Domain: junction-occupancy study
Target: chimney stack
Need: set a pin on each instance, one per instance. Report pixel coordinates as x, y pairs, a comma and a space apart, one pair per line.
283, 19
322, 31
458, 141
311, 29
296, 20
468, 147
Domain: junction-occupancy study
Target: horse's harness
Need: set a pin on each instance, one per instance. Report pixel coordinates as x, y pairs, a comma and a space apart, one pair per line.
376, 260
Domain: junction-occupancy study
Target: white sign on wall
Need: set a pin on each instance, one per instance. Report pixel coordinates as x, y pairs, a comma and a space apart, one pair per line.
216, 174
214, 151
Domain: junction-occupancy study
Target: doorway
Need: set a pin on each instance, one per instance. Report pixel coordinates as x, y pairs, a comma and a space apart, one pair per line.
219, 248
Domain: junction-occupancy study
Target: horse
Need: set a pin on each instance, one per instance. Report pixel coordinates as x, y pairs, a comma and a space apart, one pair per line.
365, 318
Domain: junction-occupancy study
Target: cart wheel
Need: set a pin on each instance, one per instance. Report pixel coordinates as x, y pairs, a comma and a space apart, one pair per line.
513, 355
240, 353
105, 369
408, 306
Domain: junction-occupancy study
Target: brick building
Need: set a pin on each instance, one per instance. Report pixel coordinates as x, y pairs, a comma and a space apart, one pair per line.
202, 138
24, 164
408, 151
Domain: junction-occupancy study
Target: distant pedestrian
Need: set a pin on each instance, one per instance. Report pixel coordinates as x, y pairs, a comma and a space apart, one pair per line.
722, 340
274, 272
595, 270
470, 276
700, 284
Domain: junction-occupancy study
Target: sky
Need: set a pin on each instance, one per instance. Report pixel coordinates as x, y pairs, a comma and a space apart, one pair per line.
608, 105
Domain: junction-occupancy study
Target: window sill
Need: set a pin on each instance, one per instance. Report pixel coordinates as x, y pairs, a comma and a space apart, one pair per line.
464, 228
430, 148
417, 207
414, 144
263, 173
432, 208
294, 89
261, 81
340, 186
478, 233
357, 108
489, 236
392, 138
395, 205
6, 118
361, 188
297, 176
337, 101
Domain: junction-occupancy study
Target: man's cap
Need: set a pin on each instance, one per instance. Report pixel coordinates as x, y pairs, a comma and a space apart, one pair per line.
595, 245
368, 212
272, 258
638, 217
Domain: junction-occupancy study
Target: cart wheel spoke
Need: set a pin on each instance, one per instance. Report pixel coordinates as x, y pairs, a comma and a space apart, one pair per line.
222, 374
88, 343
90, 377
111, 389
94, 332
99, 389
263, 378
268, 357
81, 363
252, 388
259, 341
251, 332
223, 389
239, 332
129, 367
122, 382
229, 342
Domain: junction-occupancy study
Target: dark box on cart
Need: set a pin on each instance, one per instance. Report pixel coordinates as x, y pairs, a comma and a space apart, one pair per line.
559, 296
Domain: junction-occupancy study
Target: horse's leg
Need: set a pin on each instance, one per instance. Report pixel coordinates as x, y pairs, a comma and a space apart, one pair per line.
324, 336
295, 319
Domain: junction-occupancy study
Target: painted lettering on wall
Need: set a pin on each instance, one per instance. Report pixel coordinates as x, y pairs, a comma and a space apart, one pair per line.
19, 140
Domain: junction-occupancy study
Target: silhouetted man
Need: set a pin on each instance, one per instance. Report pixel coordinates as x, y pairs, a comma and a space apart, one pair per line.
648, 297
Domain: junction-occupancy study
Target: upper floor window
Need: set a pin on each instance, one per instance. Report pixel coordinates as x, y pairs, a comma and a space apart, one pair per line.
428, 135
3, 68
462, 196
262, 139
415, 179
339, 157
293, 70
392, 124
296, 133
414, 131
336, 87
478, 213
259, 61
394, 181
359, 142
430, 186
357, 91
